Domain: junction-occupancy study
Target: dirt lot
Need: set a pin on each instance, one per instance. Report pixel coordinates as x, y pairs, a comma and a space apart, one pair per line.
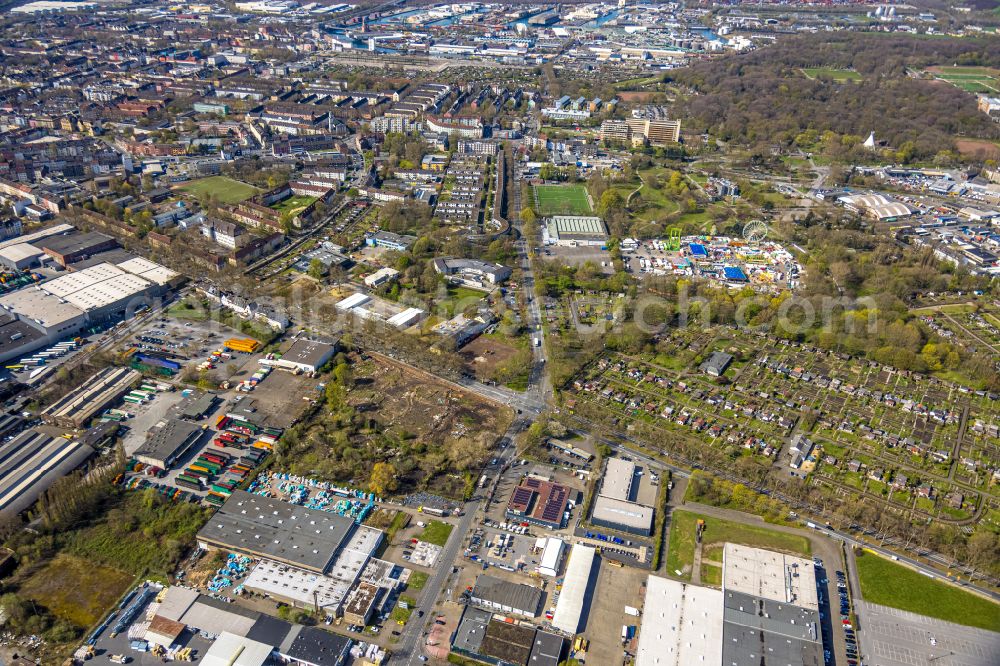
482, 355
436, 435
282, 396
978, 148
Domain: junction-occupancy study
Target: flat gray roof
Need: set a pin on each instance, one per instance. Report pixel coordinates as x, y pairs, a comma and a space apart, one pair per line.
213, 616
546, 650
308, 352
40, 306
681, 625
504, 593
33, 461
472, 629
770, 575
78, 242
617, 481
168, 439
622, 512
269, 527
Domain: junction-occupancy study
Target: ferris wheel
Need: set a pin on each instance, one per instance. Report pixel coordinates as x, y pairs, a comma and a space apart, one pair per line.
754, 231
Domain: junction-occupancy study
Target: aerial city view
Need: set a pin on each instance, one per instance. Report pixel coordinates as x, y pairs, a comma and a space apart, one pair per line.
624, 333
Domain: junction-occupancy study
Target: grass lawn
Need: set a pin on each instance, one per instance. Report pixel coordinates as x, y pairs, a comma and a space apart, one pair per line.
561, 200
890, 584
437, 532
417, 580
460, 298
838, 75
680, 547
969, 79
293, 204
185, 310
76, 590
711, 575
718, 531
226, 190
402, 615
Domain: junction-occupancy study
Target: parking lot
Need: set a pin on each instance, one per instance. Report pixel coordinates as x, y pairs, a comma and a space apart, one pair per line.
891, 637
577, 256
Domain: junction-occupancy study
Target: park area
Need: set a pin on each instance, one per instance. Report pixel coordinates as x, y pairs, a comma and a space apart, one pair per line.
222, 189
837, 75
969, 79
561, 200
889, 584
682, 546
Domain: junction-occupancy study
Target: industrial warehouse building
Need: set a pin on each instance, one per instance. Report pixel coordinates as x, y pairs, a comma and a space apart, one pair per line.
64, 306
767, 611
306, 356
269, 528
506, 597
615, 507
83, 403
71, 248
539, 502
307, 557
31, 462
572, 601
575, 230
244, 637
485, 638
167, 442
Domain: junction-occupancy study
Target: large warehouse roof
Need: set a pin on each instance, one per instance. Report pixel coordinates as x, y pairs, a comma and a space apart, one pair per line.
507, 594
617, 481
569, 227
166, 441
618, 511
41, 307
569, 610
148, 270
770, 575
81, 404
31, 462
96, 287
268, 527
681, 625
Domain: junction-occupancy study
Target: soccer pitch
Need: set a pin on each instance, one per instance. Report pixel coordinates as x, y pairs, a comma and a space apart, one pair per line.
225, 190
561, 200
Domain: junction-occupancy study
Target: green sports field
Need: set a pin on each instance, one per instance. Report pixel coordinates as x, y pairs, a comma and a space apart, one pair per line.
225, 190
561, 200
969, 79
838, 75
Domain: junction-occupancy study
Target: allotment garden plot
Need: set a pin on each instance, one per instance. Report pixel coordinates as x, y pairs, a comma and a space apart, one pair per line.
925, 445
